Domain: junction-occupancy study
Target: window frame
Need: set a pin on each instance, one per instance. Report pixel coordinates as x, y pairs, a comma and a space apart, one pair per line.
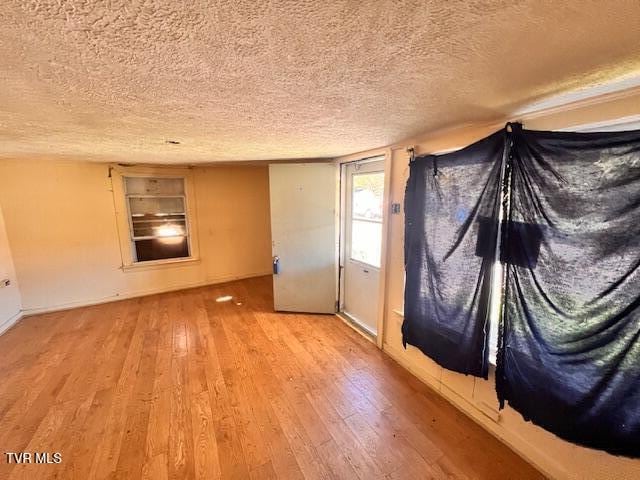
354, 218
118, 173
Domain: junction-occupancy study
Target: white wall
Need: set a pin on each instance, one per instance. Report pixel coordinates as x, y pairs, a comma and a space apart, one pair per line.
477, 397
10, 302
62, 230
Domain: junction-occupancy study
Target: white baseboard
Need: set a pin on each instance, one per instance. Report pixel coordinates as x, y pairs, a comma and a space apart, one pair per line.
525, 449
10, 322
137, 294
356, 326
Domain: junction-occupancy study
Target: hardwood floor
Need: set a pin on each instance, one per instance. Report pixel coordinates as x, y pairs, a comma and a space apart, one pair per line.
180, 386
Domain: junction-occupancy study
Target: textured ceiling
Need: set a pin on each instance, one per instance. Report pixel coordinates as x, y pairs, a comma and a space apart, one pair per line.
247, 79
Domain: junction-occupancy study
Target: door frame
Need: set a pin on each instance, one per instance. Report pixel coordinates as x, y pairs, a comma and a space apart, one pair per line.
385, 156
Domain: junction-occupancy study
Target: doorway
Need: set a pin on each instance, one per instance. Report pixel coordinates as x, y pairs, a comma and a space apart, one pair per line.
362, 193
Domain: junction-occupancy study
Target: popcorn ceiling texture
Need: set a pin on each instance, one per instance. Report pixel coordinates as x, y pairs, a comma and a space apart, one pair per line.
245, 79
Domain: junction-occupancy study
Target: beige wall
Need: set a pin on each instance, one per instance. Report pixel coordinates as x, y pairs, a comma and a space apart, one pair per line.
62, 231
10, 302
477, 397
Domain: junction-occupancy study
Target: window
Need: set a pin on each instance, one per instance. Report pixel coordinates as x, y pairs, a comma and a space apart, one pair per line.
154, 222
366, 217
157, 218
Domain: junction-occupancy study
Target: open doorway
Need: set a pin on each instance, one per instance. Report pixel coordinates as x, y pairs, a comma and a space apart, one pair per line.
362, 194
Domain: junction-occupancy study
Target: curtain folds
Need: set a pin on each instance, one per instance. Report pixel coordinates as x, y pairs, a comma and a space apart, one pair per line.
569, 358
451, 209
569, 341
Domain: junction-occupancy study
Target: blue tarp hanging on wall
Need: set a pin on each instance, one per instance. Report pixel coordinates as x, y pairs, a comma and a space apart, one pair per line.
570, 354
569, 346
451, 209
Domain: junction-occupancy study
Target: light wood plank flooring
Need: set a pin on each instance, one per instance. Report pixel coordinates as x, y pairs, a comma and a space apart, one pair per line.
180, 386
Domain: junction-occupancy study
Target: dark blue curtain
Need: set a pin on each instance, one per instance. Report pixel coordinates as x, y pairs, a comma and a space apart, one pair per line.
451, 209
569, 358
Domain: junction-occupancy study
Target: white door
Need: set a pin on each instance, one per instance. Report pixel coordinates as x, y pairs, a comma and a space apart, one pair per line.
362, 195
304, 236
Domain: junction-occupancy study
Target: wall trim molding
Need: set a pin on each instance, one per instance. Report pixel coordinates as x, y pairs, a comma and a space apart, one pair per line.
140, 293
546, 107
10, 322
518, 444
580, 98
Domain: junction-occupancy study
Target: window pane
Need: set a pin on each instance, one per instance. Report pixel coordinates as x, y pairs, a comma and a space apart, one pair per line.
157, 216
154, 186
368, 189
366, 242
154, 227
156, 206
161, 248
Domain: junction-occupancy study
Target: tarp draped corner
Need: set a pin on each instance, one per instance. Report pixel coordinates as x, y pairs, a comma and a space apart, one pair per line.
569, 346
570, 354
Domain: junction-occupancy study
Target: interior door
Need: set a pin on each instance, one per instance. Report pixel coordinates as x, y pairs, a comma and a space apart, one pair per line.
362, 222
304, 236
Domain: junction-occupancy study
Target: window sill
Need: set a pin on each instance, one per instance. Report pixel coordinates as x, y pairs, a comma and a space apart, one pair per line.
156, 264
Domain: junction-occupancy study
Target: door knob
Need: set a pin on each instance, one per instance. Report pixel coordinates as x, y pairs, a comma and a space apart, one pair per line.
276, 265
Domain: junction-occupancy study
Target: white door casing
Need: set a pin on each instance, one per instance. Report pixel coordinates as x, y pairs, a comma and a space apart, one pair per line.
362, 242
